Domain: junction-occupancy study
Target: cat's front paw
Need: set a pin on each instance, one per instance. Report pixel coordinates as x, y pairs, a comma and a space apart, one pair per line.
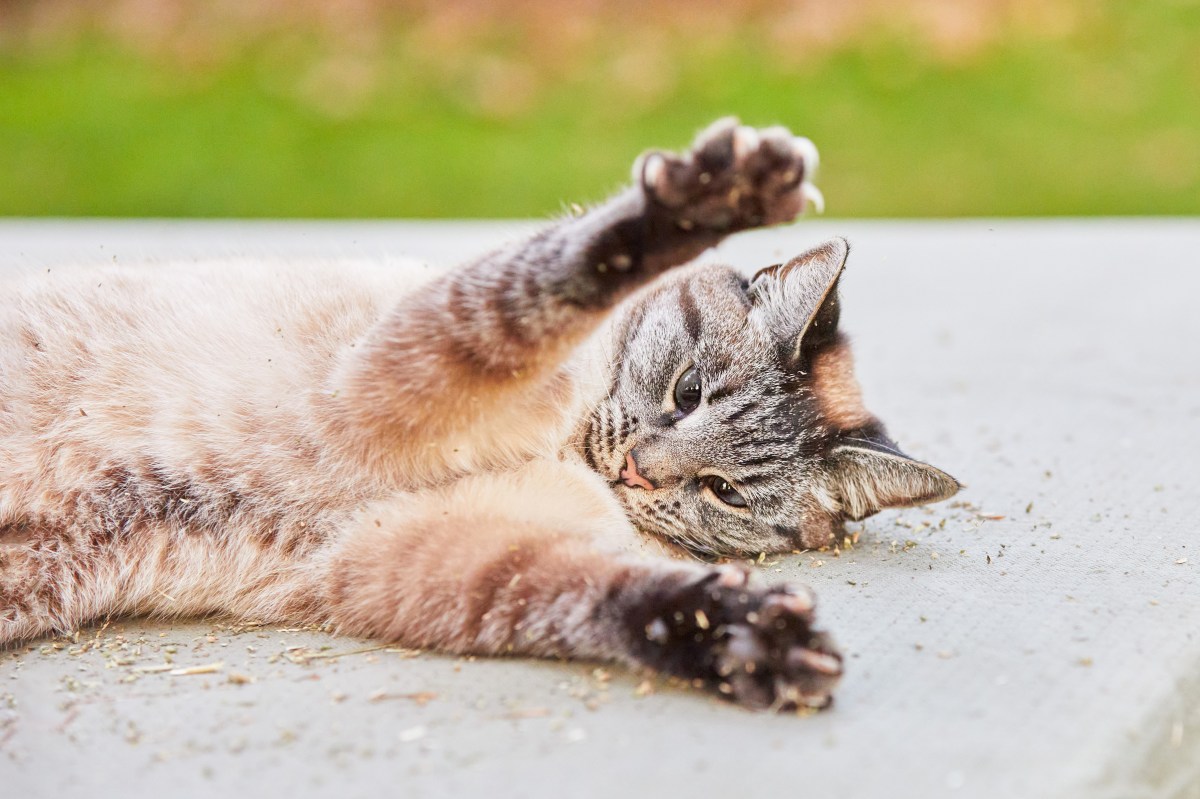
754, 646
734, 177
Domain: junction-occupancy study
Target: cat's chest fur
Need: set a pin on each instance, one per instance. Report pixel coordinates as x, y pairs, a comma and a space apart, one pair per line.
209, 397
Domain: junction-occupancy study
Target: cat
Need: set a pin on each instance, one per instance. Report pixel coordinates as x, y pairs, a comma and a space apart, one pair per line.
538, 453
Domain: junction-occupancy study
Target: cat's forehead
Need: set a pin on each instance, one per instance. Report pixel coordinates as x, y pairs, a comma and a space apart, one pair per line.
762, 417
752, 387
705, 299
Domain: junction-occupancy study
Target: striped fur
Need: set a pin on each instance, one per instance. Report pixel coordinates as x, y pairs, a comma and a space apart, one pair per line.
434, 457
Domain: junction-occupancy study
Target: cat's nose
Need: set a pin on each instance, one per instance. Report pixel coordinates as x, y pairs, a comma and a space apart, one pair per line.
630, 476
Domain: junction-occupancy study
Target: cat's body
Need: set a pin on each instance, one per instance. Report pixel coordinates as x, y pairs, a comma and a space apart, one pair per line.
245, 451
456, 460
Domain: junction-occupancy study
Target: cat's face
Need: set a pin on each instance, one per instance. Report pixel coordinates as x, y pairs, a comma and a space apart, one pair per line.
733, 422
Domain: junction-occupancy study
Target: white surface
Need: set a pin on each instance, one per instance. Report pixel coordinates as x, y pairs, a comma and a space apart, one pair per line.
1052, 363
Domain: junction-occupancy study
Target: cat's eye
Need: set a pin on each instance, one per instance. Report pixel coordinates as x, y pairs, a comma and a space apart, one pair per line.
687, 391
723, 491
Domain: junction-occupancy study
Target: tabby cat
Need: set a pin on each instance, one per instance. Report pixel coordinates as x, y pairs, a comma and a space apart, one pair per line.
516, 456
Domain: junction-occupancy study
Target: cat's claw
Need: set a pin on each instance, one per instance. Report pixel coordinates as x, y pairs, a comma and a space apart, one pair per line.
753, 646
813, 196
733, 177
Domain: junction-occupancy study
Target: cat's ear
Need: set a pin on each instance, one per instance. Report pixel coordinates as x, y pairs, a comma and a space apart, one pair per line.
870, 479
797, 301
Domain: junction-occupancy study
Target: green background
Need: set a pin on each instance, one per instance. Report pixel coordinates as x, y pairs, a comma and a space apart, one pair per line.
395, 112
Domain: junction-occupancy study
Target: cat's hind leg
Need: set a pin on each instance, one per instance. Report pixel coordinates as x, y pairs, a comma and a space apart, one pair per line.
46, 585
55, 580
486, 567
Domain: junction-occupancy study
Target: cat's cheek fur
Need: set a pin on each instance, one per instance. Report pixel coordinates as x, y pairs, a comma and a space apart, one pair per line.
821, 531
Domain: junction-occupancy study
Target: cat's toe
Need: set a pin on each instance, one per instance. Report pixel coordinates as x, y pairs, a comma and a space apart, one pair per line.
754, 646
775, 660
733, 177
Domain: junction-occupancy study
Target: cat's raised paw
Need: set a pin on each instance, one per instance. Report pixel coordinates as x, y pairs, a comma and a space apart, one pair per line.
754, 646
733, 177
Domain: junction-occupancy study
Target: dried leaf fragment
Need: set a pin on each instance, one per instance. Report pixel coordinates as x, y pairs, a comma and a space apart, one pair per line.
208, 668
157, 669
422, 698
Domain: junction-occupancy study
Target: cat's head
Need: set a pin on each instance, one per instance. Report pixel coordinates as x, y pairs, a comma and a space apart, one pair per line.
733, 422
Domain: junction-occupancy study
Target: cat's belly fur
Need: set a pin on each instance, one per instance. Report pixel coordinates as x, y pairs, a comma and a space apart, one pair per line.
160, 418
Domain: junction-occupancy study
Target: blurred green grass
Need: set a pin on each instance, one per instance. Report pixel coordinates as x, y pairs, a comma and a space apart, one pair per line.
1102, 121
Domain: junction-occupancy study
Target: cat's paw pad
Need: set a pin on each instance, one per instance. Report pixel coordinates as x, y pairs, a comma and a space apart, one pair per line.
774, 659
754, 646
733, 177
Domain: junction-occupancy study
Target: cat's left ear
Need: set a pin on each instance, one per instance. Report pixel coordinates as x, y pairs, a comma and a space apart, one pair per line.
870, 479
797, 302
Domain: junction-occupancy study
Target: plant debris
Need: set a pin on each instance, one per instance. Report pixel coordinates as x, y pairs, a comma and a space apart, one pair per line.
302, 654
209, 668
421, 698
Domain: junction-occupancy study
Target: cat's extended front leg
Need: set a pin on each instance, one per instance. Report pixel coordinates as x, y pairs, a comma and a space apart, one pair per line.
490, 332
524, 305
485, 578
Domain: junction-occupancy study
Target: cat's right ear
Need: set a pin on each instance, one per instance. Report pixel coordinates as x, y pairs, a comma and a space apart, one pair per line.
797, 302
871, 477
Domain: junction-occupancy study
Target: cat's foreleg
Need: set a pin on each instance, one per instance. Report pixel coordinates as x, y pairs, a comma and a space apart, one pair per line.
526, 303
477, 578
493, 329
